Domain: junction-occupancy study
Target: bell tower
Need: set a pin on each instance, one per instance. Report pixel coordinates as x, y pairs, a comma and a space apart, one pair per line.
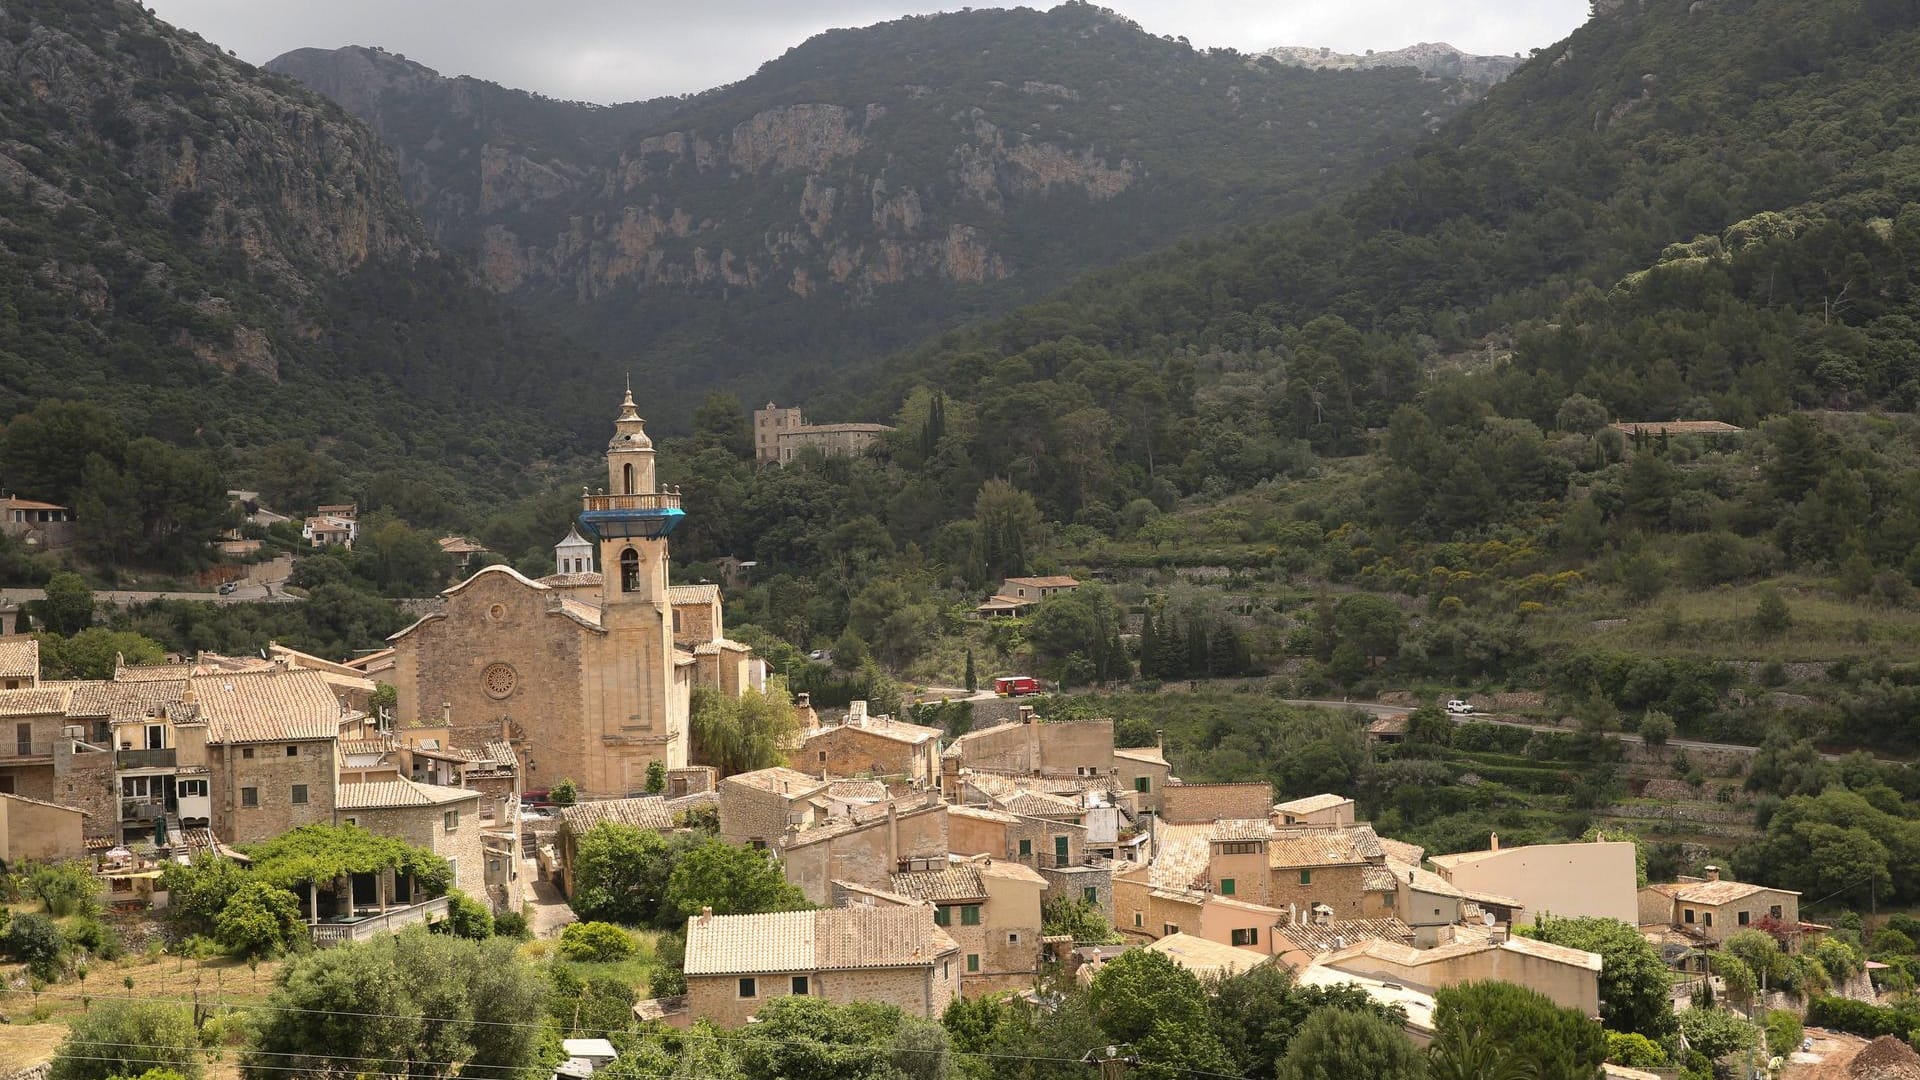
631, 522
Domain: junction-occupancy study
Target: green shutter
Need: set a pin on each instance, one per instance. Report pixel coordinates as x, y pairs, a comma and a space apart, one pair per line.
1141, 783
1090, 895
1226, 886
1026, 848
1306, 877
970, 915
942, 916
973, 961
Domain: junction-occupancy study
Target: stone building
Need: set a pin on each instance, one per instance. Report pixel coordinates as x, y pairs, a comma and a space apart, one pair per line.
1079, 749
36, 526
444, 820
19, 663
866, 846
646, 812
1713, 910
1313, 810
891, 955
584, 671
39, 830
757, 808
1577, 879
780, 435
1188, 804
992, 911
272, 740
876, 746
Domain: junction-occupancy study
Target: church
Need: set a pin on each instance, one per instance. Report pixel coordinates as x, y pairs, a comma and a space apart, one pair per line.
589, 674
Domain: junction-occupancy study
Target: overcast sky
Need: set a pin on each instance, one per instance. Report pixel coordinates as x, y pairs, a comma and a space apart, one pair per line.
622, 50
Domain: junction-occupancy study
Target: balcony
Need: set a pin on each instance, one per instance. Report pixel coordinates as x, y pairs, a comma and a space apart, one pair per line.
363, 927
650, 516
145, 759
141, 810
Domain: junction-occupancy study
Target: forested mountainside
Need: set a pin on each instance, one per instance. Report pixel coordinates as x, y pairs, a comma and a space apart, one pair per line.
227, 261
1431, 58
870, 186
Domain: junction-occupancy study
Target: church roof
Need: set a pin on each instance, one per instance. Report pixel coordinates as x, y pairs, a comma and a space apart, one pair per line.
573, 539
704, 593
571, 581
501, 568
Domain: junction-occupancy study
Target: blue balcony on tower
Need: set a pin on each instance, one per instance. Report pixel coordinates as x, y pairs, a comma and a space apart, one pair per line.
647, 517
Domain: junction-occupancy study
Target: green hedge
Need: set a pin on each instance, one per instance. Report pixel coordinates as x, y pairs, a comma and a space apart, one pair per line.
1860, 1018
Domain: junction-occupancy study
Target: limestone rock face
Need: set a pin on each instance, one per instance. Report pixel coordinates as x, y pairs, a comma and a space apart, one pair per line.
1431, 58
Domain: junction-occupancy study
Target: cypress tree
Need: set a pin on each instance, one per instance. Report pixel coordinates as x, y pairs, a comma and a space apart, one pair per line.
1149, 660
973, 681
1196, 647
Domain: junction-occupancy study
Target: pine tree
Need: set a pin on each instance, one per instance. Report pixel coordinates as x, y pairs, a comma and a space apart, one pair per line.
1196, 647
1223, 648
1170, 650
973, 680
1147, 646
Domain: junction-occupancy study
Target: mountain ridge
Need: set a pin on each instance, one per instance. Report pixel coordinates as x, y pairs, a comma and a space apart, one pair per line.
1428, 57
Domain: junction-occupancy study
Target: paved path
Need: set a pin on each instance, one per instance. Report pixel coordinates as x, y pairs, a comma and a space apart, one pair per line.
550, 913
246, 594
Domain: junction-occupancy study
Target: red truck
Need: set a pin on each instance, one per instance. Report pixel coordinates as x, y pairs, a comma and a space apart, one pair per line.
1016, 685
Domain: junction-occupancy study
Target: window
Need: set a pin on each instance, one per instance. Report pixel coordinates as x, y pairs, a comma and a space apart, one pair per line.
629, 570
676, 622
1306, 877
1226, 886
800, 985
1137, 921
970, 915
1169, 929
1743, 918
1687, 915
626, 478
1141, 783
823, 757
1013, 939
350, 821
293, 750
943, 916
247, 752
249, 796
973, 961
299, 794
191, 789
1026, 848
749, 988
23, 739
452, 820
1249, 936
156, 737
1060, 851
1774, 911
1706, 918
1090, 894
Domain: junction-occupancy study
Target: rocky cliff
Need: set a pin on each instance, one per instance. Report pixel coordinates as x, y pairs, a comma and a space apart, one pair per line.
1430, 58
970, 159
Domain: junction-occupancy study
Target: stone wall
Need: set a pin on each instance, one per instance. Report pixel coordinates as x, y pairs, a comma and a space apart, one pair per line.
850, 751
867, 855
1192, 804
749, 814
1073, 881
425, 826
716, 997
272, 773
87, 780
1342, 888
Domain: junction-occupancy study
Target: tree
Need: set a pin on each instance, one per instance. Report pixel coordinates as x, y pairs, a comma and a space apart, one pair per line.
1339, 1044
1257, 1013
1656, 727
1147, 1000
407, 1004
43, 452
68, 607
807, 1038
466, 917
94, 653
1715, 1032
721, 422
1772, 616
1634, 1051
1081, 919
731, 880
620, 874
1009, 525
1488, 1023
656, 777
595, 942
746, 733
565, 793
128, 1038
33, 939
1633, 980
1371, 623
198, 891
259, 919
973, 679
1784, 1032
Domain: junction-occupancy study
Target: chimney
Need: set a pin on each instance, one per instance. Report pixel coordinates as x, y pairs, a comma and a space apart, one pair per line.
1493, 842
1713, 873
1293, 915
856, 714
706, 915
803, 700
1026, 714
186, 694
446, 713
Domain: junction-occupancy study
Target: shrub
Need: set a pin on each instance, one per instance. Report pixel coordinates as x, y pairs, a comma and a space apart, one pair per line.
565, 793
1715, 1032
1634, 1050
512, 924
592, 942
129, 1038
259, 918
1783, 1032
34, 940
96, 937
1860, 1018
466, 917
66, 888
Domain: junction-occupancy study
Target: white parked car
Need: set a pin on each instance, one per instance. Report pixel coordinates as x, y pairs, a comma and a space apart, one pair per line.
1459, 708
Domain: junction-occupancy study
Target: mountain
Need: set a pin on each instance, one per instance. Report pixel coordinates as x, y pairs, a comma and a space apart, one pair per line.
870, 186
1430, 58
229, 261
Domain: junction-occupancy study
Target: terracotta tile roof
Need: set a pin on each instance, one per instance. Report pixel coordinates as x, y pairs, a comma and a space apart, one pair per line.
90, 700
267, 706
1056, 581
1205, 957
1290, 849
1312, 804
365, 747
836, 939
982, 813
1041, 804
896, 730
1381, 879
679, 595
1715, 893
1400, 851
1341, 933
587, 615
778, 780
41, 702
19, 658
134, 701
584, 579
388, 794
958, 882
720, 645
1007, 868
500, 752
645, 812
849, 790
1181, 855
1242, 829
1152, 755
153, 672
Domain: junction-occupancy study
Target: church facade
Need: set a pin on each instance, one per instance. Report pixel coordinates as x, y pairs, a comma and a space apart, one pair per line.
589, 675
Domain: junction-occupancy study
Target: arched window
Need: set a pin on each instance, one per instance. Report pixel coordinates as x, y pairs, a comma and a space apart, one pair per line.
629, 569
626, 474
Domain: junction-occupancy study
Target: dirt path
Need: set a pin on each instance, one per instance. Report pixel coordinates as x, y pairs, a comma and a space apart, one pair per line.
1832, 1053
549, 912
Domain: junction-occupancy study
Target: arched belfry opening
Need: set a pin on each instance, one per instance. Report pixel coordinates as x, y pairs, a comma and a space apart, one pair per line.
626, 479
629, 570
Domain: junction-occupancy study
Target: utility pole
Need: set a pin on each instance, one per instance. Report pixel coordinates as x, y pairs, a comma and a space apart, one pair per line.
1111, 1061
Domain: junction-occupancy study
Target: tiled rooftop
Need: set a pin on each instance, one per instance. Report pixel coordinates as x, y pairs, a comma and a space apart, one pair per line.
388, 794
835, 939
51, 702
1340, 933
645, 812
267, 706
958, 882
778, 780
19, 658
895, 730
1312, 804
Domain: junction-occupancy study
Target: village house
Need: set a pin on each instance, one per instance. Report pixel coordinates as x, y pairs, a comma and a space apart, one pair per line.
36, 526
40, 831
1570, 977
1018, 595
1570, 880
1313, 810
757, 808
782, 434
646, 812
1192, 804
272, 743
462, 552
324, 530
867, 845
443, 820
1713, 909
890, 955
1081, 750
876, 746
992, 911
19, 663
587, 670
1207, 959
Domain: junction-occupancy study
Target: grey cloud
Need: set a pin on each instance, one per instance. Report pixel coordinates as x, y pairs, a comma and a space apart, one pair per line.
621, 50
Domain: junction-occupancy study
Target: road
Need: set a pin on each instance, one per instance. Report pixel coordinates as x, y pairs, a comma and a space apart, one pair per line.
1372, 708
246, 594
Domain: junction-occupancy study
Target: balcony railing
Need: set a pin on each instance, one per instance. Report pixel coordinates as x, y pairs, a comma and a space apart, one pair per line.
146, 759
141, 810
660, 500
325, 934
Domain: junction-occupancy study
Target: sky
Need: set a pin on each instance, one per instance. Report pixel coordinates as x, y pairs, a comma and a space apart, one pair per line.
625, 50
